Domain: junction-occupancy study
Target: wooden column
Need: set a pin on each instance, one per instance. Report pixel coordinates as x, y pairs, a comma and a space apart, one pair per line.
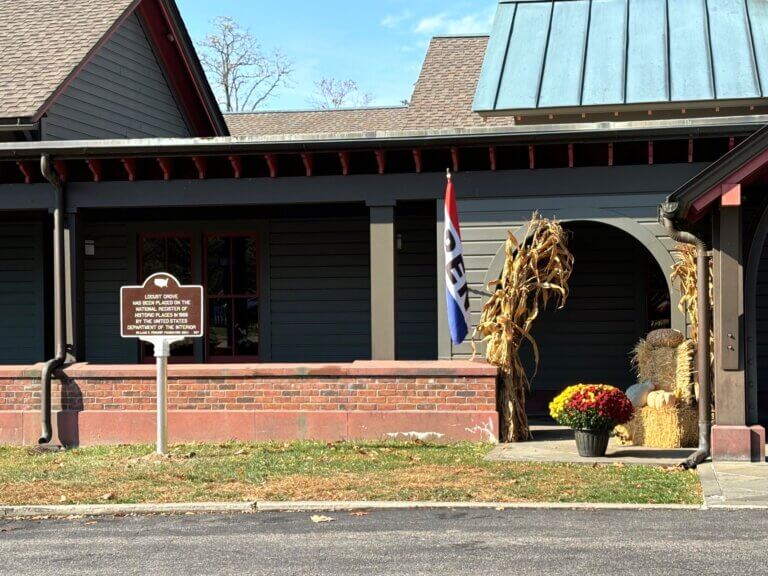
730, 381
382, 230
732, 438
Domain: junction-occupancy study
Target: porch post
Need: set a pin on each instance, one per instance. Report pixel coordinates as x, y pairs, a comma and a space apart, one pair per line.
73, 262
382, 254
732, 439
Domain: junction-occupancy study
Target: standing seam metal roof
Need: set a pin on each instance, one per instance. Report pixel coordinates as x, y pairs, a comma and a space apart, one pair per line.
570, 54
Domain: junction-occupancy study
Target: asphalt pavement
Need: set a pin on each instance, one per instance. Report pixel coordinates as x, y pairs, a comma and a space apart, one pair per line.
414, 542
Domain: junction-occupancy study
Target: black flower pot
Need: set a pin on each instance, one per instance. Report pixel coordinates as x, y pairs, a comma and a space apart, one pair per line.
592, 443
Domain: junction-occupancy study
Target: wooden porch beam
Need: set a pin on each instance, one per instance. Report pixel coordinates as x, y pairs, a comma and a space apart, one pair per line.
237, 166
61, 169
166, 166
455, 159
417, 161
531, 157
97, 169
309, 163
570, 155
610, 153
271, 164
25, 167
344, 160
129, 164
492, 157
650, 152
690, 151
201, 163
381, 161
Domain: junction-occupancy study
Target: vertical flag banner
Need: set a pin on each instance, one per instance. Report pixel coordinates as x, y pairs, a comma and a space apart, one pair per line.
457, 291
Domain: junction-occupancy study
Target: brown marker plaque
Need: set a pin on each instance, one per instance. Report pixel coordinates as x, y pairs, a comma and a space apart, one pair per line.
161, 307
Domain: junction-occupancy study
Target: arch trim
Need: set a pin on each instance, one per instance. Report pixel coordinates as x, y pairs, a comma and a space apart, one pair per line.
631, 227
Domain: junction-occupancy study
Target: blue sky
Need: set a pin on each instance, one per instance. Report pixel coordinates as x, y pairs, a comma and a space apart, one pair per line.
378, 43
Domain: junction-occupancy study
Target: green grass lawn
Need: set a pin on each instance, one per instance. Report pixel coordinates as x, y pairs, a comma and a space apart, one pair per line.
321, 471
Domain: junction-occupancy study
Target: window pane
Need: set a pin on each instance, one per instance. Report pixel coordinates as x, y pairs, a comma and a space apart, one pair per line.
153, 256
245, 266
180, 259
218, 264
246, 326
219, 327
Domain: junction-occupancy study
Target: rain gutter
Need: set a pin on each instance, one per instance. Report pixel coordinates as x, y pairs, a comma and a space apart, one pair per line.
59, 297
668, 212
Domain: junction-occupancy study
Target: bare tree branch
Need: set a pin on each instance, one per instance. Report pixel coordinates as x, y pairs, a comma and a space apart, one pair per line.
242, 74
331, 93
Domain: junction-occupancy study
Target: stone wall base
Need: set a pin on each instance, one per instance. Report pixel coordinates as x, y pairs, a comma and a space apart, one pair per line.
738, 443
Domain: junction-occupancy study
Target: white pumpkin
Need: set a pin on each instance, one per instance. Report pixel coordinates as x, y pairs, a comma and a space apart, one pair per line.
638, 394
661, 399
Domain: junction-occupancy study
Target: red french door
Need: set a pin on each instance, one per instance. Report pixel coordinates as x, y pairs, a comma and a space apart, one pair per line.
231, 270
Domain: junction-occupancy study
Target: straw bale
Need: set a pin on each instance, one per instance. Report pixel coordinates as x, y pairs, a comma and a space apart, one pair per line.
665, 338
671, 427
655, 365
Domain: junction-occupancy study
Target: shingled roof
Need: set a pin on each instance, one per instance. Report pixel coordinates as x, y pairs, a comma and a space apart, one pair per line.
42, 43
442, 99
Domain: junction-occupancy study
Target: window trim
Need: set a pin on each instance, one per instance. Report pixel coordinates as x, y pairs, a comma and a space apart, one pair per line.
145, 358
234, 358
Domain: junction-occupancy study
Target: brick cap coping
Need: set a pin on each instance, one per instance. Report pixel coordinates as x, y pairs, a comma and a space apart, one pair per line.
361, 368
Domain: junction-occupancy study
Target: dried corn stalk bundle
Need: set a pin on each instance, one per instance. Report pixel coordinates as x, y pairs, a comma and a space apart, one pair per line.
536, 272
684, 387
684, 277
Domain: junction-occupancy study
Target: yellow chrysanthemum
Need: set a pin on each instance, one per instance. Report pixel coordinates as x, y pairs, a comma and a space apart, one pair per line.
557, 406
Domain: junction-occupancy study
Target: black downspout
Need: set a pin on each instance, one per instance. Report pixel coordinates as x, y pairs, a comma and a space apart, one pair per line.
59, 300
702, 351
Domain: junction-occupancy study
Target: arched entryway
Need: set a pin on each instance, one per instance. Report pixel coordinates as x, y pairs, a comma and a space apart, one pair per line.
618, 294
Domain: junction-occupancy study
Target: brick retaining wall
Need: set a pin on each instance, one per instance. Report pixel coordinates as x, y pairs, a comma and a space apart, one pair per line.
93, 404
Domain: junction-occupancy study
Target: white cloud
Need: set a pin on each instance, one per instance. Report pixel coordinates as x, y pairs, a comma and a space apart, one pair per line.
396, 20
445, 23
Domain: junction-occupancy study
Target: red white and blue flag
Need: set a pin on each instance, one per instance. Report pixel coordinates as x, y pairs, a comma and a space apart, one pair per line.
457, 291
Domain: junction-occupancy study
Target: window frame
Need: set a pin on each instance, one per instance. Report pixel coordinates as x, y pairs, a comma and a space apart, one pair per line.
231, 297
145, 358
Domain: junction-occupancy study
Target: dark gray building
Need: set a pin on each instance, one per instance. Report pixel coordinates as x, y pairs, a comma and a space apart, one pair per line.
318, 235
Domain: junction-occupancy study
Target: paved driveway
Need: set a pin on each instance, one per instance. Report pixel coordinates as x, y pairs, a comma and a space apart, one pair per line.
428, 542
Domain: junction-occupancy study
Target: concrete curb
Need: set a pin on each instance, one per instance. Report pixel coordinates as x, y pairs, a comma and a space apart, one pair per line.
59, 511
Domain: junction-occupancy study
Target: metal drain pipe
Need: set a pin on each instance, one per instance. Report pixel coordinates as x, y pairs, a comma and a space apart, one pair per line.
702, 350
59, 301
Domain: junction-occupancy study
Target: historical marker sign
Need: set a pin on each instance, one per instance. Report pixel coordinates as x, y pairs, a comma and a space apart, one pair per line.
161, 307
161, 311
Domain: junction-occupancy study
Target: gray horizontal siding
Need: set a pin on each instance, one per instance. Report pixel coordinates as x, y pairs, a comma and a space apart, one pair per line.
121, 93
416, 283
104, 273
486, 221
320, 302
22, 305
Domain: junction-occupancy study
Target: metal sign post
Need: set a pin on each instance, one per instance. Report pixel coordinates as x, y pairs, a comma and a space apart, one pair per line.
161, 312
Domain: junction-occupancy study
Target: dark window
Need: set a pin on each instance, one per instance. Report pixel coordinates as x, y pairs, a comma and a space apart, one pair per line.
232, 286
170, 253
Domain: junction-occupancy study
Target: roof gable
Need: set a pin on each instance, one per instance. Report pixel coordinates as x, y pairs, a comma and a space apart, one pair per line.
45, 45
568, 55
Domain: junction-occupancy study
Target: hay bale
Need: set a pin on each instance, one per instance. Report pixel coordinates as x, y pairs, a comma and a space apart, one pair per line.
671, 427
655, 365
665, 338
684, 387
